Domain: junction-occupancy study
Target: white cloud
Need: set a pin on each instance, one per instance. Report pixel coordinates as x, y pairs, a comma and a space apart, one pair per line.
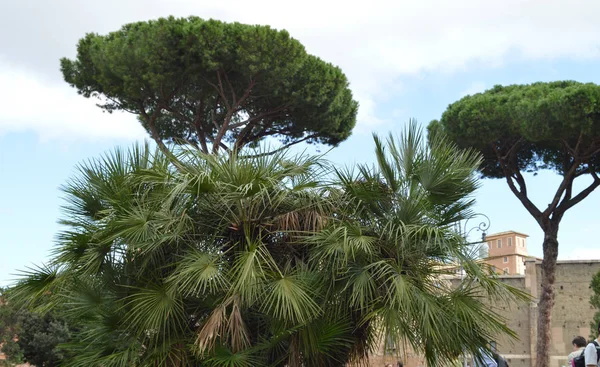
409, 36
57, 111
474, 88
375, 42
367, 117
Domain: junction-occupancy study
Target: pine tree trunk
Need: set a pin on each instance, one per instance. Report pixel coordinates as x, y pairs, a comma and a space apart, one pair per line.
547, 297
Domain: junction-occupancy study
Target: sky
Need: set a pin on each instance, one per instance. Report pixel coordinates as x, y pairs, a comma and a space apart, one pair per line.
404, 59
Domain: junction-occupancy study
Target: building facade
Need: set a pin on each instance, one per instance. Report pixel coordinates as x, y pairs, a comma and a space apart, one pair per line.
507, 252
572, 312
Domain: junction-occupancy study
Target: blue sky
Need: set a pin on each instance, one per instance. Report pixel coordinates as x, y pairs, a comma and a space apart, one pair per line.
403, 60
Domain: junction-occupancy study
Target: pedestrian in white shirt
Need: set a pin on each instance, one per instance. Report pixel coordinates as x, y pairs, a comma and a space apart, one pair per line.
591, 352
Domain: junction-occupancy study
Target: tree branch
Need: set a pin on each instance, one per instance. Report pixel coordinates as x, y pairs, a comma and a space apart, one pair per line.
566, 205
265, 131
594, 149
222, 131
229, 115
513, 173
221, 145
567, 181
271, 113
246, 93
282, 148
219, 90
198, 126
222, 91
177, 113
233, 97
566, 187
242, 138
569, 191
150, 122
118, 104
213, 115
183, 141
245, 131
521, 181
512, 152
522, 196
195, 124
574, 151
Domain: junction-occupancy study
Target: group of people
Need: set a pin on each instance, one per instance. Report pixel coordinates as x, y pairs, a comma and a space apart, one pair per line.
585, 353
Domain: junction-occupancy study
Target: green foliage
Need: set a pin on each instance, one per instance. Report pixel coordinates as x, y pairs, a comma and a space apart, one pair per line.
12, 351
595, 302
40, 337
9, 329
267, 260
548, 124
207, 82
28, 336
525, 128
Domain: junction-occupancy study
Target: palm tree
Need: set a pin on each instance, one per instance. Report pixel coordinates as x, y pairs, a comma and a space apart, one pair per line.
386, 251
266, 260
194, 265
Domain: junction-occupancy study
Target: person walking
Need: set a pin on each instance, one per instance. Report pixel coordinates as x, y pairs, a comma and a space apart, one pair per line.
485, 359
592, 350
579, 344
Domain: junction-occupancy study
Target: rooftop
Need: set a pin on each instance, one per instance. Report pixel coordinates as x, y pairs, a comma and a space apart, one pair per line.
559, 262
500, 234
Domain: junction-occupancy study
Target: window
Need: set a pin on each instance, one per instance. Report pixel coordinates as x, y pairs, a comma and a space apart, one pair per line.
499, 243
505, 271
509, 241
505, 259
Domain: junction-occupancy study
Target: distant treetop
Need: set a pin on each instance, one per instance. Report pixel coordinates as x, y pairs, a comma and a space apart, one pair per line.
214, 85
537, 126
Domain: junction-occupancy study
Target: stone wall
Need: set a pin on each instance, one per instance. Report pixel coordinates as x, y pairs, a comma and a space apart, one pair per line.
572, 314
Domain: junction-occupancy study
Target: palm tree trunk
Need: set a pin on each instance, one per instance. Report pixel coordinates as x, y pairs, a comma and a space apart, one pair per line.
547, 297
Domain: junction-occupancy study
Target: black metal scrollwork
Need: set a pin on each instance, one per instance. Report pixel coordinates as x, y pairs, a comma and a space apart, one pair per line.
482, 227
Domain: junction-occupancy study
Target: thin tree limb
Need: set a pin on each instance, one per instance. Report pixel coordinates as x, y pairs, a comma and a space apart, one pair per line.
521, 193
282, 148
579, 197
